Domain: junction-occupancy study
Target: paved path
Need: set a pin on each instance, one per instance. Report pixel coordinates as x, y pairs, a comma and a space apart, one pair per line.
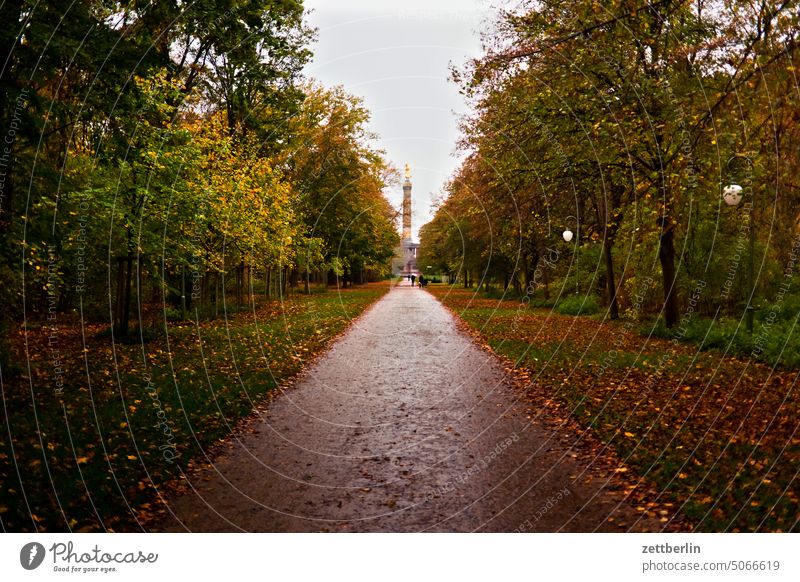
404, 425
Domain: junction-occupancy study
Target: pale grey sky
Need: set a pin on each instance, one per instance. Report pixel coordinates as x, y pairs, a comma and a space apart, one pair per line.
396, 57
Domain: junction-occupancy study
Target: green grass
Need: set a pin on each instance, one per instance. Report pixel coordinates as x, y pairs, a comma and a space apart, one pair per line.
91, 458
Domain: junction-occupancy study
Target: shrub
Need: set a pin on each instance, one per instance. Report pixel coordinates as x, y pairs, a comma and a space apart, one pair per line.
578, 305
776, 342
172, 314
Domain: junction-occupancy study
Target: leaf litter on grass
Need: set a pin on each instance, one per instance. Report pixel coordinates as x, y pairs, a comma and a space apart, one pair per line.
96, 455
712, 437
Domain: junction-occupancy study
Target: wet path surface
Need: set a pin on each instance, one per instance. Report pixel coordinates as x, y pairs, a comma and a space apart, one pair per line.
404, 425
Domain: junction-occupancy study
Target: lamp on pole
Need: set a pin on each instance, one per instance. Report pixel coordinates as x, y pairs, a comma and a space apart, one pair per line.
732, 194
568, 234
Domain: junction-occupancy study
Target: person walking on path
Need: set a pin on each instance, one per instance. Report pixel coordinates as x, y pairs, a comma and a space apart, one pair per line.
413, 279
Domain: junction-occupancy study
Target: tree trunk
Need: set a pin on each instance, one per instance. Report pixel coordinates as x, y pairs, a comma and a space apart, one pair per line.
216, 294
612, 286
529, 263
248, 287
183, 291
203, 299
240, 285
546, 277
120, 298
666, 255
525, 274
126, 302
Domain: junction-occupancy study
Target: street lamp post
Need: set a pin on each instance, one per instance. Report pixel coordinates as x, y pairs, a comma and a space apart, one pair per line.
568, 234
732, 194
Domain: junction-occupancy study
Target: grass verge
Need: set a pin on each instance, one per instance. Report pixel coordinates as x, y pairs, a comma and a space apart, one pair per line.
718, 436
92, 428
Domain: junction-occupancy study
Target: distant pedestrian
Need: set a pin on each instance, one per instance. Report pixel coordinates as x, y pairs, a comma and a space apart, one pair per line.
422, 280
413, 279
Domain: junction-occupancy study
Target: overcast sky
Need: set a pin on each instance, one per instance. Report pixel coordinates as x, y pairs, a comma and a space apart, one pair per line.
396, 57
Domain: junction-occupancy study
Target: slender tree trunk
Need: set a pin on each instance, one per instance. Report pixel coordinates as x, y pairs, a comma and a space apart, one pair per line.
526, 276
529, 266
666, 255
205, 290
120, 294
183, 291
126, 304
246, 276
246, 284
216, 294
546, 277
612, 286
240, 285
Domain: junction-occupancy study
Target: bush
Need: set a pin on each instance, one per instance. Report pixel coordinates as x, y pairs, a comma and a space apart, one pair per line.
172, 314
500, 293
775, 341
578, 305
